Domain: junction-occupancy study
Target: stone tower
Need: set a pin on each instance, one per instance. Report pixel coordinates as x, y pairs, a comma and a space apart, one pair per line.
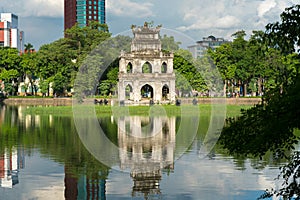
146, 72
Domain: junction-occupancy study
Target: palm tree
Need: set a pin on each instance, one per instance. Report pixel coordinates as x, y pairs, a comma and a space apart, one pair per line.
28, 47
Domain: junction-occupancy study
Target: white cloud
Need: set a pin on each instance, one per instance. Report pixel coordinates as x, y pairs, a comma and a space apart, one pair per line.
127, 8
225, 17
213, 23
227, 22
37, 8
196, 18
265, 6
213, 14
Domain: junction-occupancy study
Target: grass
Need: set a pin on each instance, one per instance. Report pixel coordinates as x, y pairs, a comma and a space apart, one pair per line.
170, 110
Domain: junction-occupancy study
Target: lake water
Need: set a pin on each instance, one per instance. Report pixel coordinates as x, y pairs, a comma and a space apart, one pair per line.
55, 157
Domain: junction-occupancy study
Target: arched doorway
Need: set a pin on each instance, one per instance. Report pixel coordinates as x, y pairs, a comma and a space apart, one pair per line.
147, 68
165, 92
147, 91
128, 92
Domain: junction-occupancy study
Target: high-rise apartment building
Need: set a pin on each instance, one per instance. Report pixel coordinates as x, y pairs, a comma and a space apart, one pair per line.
83, 11
10, 35
201, 47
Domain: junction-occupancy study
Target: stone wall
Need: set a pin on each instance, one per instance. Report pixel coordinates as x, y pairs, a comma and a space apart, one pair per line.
68, 101
39, 101
229, 101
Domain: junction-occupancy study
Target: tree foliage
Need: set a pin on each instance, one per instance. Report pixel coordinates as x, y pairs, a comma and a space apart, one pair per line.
249, 64
169, 44
284, 35
290, 174
271, 125
254, 65
63, 57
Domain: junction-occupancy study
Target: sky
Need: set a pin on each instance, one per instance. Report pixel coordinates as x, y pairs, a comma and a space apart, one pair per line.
42, 20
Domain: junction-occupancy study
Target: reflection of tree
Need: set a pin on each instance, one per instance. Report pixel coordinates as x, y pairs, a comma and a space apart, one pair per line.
58, 140
9, 129
53, 139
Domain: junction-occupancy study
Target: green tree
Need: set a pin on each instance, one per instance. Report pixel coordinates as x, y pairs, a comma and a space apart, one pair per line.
84, 39
62, 58
8, 76
184, 70
208, 76
272, 125
44, 87
110, 66
223, 59
60, 84
29, 68
242, 60
169, 44
28, 48
104, 87
9, 58
284, 35
10, 68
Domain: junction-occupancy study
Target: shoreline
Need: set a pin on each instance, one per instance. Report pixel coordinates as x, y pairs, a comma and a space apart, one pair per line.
68, 101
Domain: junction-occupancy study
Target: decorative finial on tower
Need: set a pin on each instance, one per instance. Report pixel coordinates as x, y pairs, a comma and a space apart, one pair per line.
146, 25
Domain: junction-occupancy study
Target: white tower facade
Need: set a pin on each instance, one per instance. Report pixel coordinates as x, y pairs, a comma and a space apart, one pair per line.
146, 73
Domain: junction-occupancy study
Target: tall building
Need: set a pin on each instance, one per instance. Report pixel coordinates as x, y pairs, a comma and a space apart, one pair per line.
10, 35
200, 48
83, 11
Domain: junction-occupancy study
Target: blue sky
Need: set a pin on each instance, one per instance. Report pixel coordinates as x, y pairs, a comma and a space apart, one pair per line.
42, 20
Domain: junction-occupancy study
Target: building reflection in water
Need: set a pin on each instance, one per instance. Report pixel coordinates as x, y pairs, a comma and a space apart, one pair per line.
84, 186
146, 148
29, 119
11, 161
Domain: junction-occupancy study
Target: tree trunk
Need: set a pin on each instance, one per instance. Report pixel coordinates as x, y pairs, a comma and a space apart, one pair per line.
232, 86
224, 87
32, 89
245, 89
259, 85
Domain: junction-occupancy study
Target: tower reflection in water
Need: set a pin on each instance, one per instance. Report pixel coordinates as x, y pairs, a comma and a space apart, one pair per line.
146, 148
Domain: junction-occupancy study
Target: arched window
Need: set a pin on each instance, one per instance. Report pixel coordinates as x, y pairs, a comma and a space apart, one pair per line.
147, 68
164, 68
129, 68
